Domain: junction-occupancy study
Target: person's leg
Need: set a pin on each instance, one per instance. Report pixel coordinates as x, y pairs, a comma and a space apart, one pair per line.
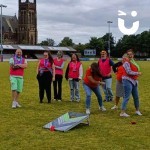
127, 85
48, 80
71, 84
48, 93
136, 99
116, 103
88, 93
55, 87
60, 87
17, 96
19, 90
77, 92
14, 95
117, 100
13, 82
41, 88
119, 93
99, 97
109, 89
105, 91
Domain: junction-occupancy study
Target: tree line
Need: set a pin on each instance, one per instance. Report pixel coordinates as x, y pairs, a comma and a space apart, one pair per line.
140, 43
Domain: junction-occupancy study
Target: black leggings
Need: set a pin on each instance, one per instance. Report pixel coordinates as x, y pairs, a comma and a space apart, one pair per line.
44, 81
57, 84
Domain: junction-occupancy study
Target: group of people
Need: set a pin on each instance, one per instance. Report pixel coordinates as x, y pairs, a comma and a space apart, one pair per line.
98, 73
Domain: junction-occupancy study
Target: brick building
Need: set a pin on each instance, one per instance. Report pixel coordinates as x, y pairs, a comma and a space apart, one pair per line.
21, 30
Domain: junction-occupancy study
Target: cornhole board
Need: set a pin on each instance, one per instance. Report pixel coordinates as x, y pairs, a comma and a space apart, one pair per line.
68, 121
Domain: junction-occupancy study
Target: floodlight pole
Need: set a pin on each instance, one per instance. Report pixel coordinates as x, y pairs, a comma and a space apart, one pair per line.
2, 32
109, 22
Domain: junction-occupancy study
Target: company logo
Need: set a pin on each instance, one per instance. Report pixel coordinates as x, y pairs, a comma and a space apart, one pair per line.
121, 23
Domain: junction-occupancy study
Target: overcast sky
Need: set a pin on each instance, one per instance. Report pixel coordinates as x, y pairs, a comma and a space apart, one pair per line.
82, 19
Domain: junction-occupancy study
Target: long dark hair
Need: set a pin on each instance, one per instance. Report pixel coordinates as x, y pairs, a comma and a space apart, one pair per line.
76, 56
95, 70
50, 58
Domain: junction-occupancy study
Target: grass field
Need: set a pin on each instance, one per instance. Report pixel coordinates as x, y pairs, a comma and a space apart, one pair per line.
21, 129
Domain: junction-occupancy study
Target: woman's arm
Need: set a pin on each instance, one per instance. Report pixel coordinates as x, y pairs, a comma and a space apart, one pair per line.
91, 79
80, 71
128, 70
37, 69
53, 70
60, 67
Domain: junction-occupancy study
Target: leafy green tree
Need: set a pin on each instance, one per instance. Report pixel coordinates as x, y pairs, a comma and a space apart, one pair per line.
66, 42
96, 43
105, 39
80, 48
48, 42
51, 42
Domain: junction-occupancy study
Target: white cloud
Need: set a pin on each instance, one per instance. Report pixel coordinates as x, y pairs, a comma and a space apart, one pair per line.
82, 19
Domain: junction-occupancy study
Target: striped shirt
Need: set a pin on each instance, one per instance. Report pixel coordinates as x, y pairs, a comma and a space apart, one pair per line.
128, 70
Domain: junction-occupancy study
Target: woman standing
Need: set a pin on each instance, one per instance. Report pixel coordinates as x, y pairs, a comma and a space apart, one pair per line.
118, 69
45, 75
91, 82
105, 66
74, 73
57, 84
130, 84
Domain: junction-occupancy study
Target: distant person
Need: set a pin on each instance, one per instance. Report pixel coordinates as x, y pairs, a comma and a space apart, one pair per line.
130, 83
57, 84
118, 69
74, 73
17, 66
91, 82
105, 66
45, 76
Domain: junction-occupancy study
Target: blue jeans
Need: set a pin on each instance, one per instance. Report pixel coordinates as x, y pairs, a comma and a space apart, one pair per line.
74, 90
88, 92
129, 89
107, 89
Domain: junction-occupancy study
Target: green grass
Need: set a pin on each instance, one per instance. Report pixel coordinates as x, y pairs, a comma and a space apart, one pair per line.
22, 128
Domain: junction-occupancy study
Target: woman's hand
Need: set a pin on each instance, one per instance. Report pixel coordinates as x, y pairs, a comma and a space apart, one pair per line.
102, 83
53, 79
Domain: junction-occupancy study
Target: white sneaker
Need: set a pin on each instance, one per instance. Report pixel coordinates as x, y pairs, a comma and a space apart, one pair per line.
138, 113
77, 100
87, 111
102, 108
71, 100
14, 104
114, 107
18, 105
124, 115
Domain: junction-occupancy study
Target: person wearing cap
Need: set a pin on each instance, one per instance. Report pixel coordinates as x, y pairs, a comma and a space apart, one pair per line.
74, 73
17, 66
105, 65
57, 84
130, 83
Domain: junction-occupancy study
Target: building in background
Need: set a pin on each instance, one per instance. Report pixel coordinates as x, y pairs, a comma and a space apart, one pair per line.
10, 29
24, 29
27, 22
